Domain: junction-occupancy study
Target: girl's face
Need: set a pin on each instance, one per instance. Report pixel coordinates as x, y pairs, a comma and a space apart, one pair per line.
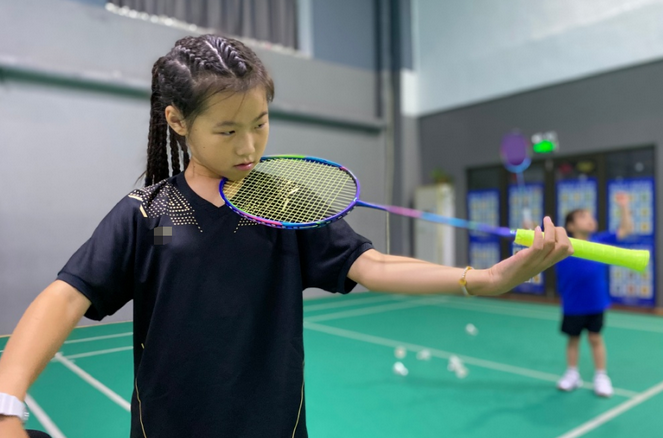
229, 137
583, 223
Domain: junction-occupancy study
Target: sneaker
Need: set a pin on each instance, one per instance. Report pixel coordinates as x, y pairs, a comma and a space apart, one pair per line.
602, 385
569, 381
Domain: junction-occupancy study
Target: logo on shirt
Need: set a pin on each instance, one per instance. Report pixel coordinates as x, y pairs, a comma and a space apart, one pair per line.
163, 199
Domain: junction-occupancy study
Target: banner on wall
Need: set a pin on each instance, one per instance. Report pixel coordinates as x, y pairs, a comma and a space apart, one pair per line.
574, 194
627, 286
526, 209
484, 206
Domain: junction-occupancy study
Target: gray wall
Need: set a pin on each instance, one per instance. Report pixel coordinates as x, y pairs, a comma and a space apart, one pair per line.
407, 173
614, 110
344, 32
70, 151
469, 51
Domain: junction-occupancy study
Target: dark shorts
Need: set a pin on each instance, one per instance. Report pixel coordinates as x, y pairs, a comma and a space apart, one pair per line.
37, 434
573, 325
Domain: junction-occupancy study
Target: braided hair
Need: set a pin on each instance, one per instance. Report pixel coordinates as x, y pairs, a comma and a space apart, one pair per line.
193, 71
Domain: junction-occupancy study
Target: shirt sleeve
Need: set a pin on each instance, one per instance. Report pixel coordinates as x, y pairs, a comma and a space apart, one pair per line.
327, 253
102, 269
563, 272
605, 237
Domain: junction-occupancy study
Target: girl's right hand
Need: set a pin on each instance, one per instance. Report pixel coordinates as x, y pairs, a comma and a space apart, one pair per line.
550, 246
12, 427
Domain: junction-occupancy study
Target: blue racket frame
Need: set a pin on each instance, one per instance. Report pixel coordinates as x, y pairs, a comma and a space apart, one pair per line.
291, 225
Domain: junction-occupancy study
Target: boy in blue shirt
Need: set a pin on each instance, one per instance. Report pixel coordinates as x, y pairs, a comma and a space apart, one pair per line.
583, 286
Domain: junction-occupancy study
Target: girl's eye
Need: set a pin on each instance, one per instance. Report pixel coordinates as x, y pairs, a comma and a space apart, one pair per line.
260, 126
228, 133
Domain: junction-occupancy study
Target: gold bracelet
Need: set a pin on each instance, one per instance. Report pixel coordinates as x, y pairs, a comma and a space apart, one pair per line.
463, 282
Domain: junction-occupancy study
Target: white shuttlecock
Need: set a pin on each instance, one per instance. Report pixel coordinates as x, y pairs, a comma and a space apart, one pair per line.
399, 369
471, 329
454, 363
400, 352
462, 372
456, 366
424, 355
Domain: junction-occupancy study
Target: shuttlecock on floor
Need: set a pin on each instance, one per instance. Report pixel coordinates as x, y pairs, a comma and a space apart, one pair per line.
456, 365
399, 369
400, 352
471, 329
462, 372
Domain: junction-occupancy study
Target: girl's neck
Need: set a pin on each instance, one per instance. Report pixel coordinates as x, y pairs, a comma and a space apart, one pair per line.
204, 185
581, 236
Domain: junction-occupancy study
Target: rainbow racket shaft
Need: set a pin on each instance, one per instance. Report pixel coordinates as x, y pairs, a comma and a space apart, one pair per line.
298, 192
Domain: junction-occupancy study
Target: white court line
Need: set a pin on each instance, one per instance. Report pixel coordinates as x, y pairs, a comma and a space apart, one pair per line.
346, 303
98, 352
537, 314
95, 338
98, 338
344, 314
337, 315
376, 309
445, 355
92, 381
614, 412
43, 418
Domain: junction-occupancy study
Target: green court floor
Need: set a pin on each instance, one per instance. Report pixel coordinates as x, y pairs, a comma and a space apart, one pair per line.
513, 364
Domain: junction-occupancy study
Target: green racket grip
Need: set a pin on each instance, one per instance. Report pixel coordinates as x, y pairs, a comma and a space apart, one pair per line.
636, 259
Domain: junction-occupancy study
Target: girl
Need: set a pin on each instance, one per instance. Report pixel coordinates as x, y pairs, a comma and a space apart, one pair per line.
218, 345
585, 297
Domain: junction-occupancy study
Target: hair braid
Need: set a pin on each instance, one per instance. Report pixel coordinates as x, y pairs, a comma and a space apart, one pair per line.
193, 71
228, 55
185, 157
156, 151
194, 61
174, 150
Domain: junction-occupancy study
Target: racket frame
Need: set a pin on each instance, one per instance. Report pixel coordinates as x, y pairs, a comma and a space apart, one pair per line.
293, 225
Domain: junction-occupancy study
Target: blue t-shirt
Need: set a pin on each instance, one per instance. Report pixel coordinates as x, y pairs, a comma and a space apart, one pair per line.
218, 346
583, 284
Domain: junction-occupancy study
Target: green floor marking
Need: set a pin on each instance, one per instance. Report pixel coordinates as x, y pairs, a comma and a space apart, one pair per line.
78, 409
352, 392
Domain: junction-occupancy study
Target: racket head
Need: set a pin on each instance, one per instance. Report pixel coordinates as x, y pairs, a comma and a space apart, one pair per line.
514, 151
293, 192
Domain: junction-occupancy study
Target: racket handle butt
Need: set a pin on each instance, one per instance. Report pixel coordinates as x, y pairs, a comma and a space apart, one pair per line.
636, 259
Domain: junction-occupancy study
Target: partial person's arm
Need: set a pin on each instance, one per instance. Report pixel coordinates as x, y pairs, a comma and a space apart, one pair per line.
39, 334
626, 219
387, 273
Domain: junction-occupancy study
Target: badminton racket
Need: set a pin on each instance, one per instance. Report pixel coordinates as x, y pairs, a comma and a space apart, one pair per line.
514, 152
299, 192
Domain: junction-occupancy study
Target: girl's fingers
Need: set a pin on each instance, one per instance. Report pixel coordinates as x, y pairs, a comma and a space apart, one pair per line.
563, 243
550, 245
549, 234
538, 238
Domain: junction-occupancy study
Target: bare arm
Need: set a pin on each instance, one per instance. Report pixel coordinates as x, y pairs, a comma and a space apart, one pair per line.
626, 219
387, 273
39, 334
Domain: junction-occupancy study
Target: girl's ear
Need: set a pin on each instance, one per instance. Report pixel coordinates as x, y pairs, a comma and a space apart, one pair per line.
176, 121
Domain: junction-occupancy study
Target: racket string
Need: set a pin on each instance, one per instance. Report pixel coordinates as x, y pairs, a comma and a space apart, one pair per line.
321, 206
294, 190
